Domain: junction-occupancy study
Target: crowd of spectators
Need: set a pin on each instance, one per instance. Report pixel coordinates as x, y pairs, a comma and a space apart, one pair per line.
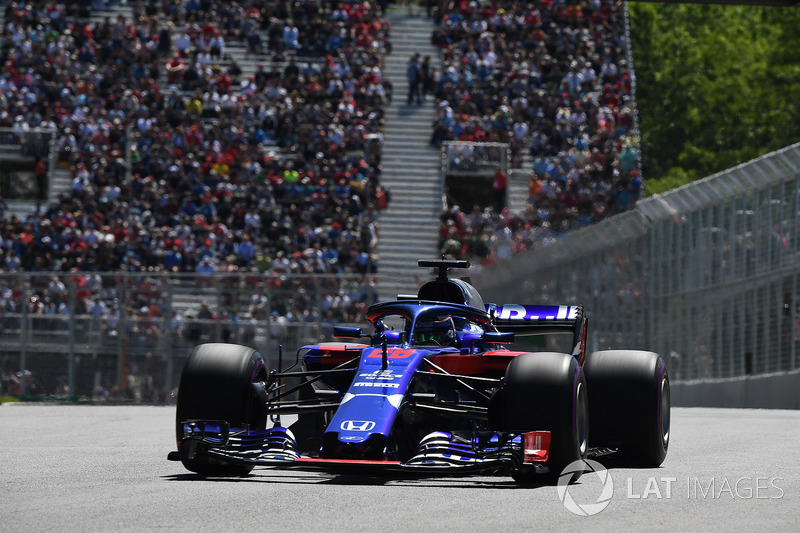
551, 79
182, 162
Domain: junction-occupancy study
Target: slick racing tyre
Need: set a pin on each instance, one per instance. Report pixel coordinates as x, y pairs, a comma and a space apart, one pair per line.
629, 405
216, 384
545, 391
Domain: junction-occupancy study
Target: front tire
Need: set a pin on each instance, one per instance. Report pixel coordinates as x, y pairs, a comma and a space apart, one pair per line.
546, 391
629, 405
216, 384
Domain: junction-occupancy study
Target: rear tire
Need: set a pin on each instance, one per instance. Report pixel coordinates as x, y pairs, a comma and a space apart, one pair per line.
629, 401
546, 391
216, 384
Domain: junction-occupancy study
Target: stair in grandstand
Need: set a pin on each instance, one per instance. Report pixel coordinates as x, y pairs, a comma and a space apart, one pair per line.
518, 183
409, 227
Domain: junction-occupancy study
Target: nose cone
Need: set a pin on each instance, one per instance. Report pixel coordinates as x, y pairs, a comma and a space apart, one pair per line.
367, 447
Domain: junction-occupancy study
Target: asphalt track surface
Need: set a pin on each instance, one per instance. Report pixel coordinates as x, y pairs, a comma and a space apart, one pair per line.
104, 468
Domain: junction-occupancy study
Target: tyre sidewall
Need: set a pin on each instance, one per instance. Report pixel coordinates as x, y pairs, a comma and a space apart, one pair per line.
216, 384
548, 392
629, 404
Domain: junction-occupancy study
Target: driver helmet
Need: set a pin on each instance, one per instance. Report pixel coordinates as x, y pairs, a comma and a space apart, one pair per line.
439, 331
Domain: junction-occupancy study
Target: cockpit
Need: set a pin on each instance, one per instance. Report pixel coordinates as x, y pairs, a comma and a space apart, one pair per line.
435, 331
429, 329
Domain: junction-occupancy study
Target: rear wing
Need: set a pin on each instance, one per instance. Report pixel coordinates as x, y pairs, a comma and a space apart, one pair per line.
542, 320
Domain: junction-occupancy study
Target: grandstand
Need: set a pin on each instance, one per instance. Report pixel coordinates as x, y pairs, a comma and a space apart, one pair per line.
274, 140
408, 168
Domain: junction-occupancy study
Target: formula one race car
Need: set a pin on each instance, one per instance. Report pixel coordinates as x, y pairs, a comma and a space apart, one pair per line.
432, 391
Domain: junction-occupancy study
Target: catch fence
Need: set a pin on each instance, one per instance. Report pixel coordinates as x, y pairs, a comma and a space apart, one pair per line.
126, 336
707, 275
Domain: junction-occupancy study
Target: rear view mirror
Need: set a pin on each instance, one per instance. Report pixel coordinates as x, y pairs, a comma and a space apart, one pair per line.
346, 332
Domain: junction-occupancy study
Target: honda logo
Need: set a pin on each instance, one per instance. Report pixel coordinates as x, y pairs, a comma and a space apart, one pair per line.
357, 425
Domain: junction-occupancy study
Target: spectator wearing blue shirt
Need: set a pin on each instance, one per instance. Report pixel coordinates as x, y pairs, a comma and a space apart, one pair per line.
245, 251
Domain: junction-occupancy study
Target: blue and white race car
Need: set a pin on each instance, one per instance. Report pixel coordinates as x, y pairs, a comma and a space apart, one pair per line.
433, 389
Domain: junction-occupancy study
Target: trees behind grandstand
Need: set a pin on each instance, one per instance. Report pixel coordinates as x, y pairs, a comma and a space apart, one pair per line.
717, 85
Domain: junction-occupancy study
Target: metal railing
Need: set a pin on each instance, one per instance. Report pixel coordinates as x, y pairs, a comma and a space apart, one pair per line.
707, 275
463, 158
34, 142
125, 336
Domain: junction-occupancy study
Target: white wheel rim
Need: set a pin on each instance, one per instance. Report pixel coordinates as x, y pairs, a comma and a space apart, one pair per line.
664, 414
581, 419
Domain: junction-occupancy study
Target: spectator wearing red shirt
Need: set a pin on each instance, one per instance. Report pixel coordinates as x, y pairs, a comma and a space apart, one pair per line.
499, 184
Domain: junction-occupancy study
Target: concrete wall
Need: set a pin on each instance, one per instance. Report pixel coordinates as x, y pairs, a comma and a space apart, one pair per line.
769, 391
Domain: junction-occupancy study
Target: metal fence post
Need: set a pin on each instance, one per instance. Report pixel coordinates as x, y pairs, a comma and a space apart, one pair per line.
71, 356
23, 332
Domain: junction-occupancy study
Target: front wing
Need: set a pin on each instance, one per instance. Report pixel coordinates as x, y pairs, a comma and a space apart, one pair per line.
437, 453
